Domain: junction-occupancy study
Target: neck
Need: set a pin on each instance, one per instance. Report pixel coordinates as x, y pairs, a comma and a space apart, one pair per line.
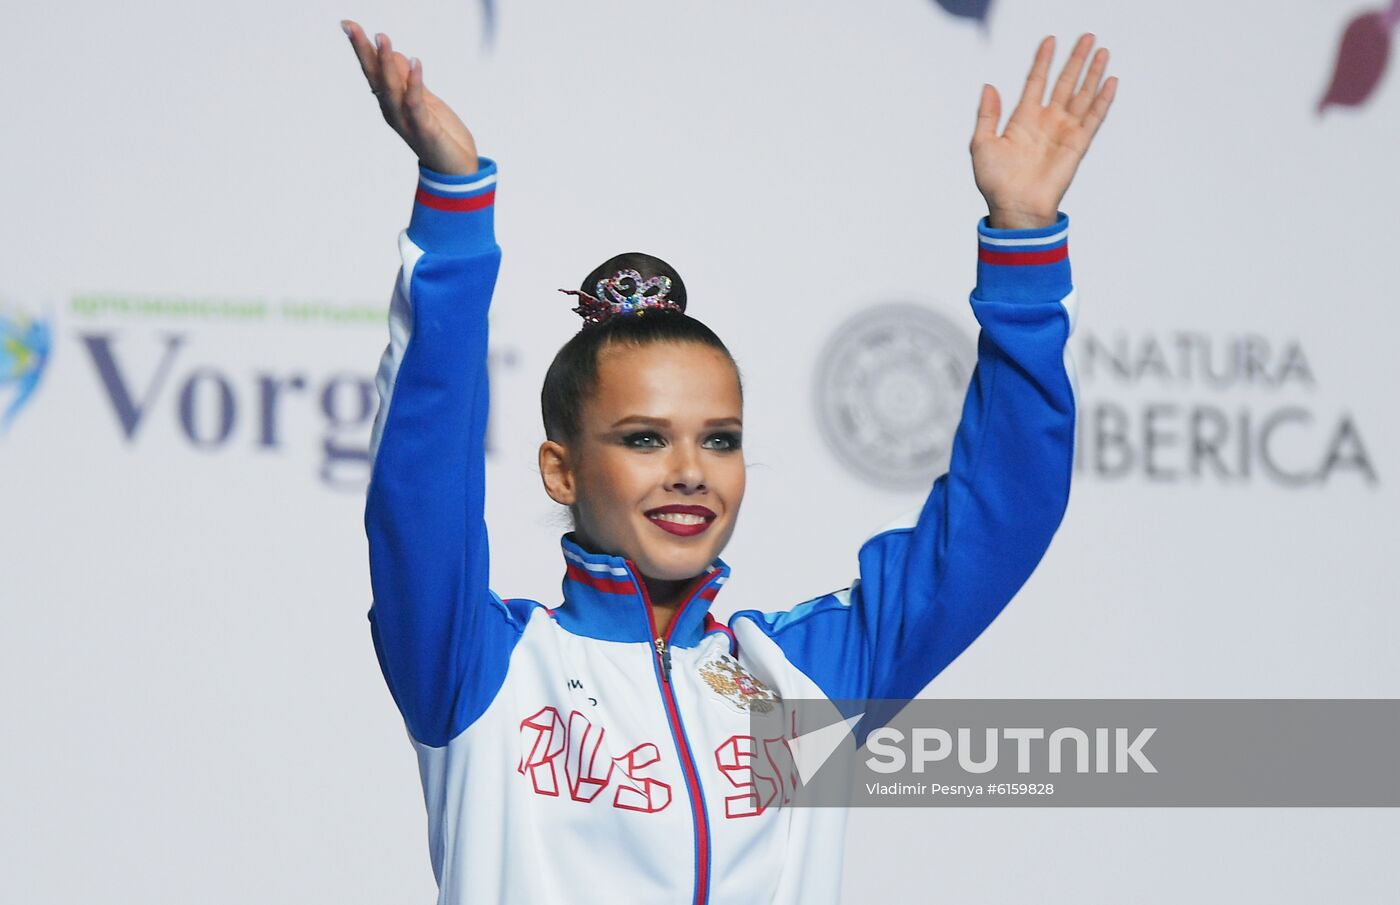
666, 597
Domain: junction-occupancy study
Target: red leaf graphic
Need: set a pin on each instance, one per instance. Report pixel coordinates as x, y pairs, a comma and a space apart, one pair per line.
1361, 59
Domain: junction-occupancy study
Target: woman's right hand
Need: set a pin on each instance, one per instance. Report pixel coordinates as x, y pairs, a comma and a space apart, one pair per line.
428, 125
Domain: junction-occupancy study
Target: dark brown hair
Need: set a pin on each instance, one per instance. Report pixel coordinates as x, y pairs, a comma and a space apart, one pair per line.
573, 375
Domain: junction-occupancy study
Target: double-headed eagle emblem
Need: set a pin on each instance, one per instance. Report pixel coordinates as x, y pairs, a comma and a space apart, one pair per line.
737, 686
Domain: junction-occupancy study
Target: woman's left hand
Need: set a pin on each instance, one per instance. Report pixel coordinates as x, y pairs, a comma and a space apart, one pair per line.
1024, 172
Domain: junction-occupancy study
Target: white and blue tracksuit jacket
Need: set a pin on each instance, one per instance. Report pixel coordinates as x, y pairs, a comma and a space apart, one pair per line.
564, 758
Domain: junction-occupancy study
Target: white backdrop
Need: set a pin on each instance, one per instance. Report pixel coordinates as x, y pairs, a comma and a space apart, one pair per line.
204, 198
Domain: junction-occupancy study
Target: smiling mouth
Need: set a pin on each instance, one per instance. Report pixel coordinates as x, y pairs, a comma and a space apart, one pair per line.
684, 524
680, 518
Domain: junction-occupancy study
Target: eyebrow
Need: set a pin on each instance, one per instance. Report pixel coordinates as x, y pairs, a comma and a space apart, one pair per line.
664, 422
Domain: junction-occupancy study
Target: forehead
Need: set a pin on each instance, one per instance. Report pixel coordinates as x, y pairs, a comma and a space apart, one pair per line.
664, 380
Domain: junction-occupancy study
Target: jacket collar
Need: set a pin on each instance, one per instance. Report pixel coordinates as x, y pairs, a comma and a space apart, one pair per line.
604, 598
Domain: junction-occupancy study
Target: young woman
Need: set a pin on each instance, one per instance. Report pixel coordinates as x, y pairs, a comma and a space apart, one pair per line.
599, 750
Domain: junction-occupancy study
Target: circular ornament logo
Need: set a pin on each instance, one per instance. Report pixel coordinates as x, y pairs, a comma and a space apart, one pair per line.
889, 393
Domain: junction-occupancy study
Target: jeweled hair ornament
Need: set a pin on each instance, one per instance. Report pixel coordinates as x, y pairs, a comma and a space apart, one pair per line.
624, 293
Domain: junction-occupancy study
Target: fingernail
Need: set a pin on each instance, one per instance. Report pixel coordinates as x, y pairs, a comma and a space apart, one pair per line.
345, 28
413, 64
379, 41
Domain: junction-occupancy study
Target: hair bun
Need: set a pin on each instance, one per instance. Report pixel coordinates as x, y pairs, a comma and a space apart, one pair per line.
651, 269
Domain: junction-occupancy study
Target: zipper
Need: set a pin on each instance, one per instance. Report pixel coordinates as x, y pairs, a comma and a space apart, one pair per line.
662, 666
664, 653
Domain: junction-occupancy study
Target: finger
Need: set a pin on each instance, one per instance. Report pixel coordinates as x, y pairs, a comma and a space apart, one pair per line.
1079, 105
988, 115
1099, 111
364, 52
393, 79
1069, 76
1040, 71
415, 101
395, 73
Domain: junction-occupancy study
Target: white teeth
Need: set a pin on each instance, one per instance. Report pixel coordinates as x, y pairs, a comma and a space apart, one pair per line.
679, 518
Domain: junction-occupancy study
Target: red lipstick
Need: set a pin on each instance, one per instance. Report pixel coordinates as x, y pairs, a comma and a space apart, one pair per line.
682, 529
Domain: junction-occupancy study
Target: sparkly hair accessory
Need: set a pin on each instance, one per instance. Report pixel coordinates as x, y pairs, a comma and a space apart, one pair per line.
624, 293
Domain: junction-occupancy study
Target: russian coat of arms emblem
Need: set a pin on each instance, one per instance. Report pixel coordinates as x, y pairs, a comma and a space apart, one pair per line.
736, 686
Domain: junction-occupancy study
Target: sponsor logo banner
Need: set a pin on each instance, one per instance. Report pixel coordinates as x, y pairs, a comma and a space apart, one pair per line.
1199, 407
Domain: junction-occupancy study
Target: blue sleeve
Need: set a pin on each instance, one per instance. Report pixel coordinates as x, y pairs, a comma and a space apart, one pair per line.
929, 584
443, 638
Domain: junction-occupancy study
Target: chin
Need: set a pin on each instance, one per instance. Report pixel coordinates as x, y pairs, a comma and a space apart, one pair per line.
676, 566
675, 561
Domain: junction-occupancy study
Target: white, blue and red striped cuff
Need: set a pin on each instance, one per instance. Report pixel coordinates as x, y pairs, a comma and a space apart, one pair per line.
1023, 264
455, 214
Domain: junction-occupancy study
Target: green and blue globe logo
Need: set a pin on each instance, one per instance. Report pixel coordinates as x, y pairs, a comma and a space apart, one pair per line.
25, 345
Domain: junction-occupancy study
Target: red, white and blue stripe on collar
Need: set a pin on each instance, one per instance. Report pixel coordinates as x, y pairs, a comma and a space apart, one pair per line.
603, 599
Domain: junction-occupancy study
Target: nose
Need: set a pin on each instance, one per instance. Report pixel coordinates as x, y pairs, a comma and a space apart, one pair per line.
687, 473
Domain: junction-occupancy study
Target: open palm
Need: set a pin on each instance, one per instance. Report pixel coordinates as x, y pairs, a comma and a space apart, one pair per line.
441, 141
1024, 172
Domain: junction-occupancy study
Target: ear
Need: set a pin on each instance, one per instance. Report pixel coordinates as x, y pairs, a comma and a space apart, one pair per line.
557, 472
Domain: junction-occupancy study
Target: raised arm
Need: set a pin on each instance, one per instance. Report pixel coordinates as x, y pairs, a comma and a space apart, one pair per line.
930, 583
442, 636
